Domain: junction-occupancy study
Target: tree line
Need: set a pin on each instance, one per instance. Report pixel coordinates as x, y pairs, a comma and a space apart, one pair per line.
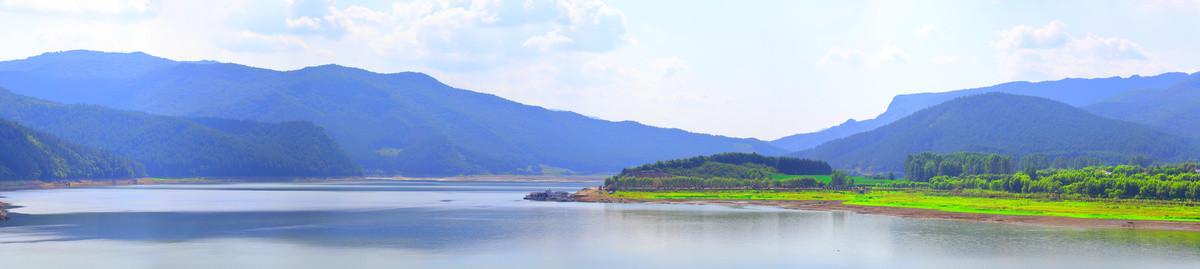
927, 165
1166, 182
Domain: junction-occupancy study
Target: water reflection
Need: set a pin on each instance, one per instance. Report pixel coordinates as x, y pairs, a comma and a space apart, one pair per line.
451, 224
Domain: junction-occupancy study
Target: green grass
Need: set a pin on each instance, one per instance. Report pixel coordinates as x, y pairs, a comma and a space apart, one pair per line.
176, 179
737, 195
865, 181
942, 202
1032, 207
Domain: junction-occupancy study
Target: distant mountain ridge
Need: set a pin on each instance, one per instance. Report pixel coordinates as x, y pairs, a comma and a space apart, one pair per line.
27, 154
408, 123
1174, 109
1072, 91
1000, 123
175, 147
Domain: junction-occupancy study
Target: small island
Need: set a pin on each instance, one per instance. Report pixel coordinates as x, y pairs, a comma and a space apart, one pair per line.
958, 186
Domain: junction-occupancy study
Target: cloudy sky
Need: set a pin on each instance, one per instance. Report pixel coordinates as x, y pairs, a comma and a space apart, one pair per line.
761, 69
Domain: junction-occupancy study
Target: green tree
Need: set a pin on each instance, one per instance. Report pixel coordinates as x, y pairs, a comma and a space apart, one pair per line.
838, 178
1031, 171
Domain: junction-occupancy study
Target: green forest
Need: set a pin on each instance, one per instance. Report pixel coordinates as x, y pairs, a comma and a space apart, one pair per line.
922, 167
1138, 180
26, 154
730, 170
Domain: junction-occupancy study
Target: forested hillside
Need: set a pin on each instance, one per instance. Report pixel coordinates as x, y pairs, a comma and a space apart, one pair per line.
174, 147
731, 165
1004, 124
1174, 109
26, 154
1072, 91
407, 123
728, 170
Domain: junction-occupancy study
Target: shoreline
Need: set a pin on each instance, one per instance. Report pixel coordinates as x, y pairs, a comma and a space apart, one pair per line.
594, 195
505, 178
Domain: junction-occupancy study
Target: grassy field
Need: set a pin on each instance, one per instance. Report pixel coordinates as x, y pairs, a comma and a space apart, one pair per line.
1032, 207
825, 178
738, 195
936, 201
176, 179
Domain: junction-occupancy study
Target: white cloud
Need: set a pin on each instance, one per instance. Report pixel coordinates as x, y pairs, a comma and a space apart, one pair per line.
843, 57
928, 31
1027, 37
547, 41
462, 35
669, 68
1048, 52
101, 6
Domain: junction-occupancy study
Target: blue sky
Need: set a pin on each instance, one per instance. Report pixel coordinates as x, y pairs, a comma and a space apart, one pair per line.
761, 69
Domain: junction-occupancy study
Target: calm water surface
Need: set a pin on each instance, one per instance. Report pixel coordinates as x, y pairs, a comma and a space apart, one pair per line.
486, 225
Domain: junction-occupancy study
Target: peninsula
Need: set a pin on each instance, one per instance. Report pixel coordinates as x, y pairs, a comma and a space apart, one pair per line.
1124, 196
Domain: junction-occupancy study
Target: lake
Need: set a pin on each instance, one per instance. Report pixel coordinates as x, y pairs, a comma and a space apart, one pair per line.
427, 224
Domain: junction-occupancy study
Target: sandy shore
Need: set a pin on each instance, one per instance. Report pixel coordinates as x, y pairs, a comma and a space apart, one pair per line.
593, 194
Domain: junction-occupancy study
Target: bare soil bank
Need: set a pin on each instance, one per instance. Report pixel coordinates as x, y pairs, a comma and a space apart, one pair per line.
593, 194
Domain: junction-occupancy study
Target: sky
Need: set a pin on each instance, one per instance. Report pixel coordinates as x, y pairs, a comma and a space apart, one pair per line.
763, 69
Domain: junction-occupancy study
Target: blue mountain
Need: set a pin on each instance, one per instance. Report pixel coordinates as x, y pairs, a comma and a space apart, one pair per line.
1072, 91
407, 123
1005, 124
1174, 109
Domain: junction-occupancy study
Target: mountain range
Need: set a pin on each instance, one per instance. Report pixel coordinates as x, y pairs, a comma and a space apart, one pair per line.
407, 123
1000, 123
1174, 109
220, 119
1072, 91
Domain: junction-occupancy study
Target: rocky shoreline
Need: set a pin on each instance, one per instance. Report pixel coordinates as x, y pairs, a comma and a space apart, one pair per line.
3, 213
593, 194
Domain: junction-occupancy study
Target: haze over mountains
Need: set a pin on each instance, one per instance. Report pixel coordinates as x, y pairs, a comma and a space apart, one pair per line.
1072, 91
175, 147
1000, 123
407, 123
